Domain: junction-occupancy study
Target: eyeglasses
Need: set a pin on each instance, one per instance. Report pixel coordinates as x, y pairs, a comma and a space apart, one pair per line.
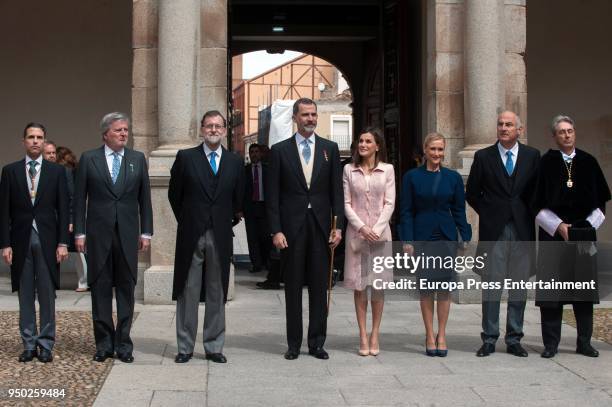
213, 126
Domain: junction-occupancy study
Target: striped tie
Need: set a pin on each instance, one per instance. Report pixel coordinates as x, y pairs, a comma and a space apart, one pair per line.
116, 167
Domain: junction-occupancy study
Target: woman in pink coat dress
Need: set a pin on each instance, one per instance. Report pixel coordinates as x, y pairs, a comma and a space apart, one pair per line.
369, 200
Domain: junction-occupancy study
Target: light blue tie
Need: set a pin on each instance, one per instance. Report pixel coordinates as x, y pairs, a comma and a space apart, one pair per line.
509, 163
116, 167
306, 151
213, 162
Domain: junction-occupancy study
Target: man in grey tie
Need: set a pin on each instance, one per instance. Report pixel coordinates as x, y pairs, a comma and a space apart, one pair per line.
499, 189
206, 193
304, 193
34, 238
113, 220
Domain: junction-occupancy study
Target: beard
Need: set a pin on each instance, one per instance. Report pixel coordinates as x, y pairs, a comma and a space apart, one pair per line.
310, 128
216, 139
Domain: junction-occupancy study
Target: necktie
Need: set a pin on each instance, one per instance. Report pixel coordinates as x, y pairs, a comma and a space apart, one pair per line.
306, 151
32, 169
509, 163
256, 183
213, 162
116, 167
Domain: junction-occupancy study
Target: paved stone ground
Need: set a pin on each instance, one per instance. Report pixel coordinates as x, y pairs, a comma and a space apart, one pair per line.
257, 374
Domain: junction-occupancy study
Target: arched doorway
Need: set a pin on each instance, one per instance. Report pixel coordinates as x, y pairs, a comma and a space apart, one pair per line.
263, 83
375, 43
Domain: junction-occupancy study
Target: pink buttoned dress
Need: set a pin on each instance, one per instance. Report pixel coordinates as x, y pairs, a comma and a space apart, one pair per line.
368, 200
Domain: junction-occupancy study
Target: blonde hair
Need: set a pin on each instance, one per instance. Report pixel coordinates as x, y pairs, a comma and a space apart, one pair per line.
433, 137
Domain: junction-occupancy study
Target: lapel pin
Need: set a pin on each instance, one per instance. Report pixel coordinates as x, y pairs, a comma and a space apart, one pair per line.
325, 155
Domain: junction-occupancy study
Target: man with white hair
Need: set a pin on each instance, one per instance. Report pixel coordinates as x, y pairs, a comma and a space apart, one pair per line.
113, 220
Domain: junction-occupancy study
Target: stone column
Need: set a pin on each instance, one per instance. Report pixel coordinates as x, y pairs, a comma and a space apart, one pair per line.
484, 74
179, 37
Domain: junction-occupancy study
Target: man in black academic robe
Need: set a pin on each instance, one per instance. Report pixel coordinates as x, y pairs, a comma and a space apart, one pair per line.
571, 196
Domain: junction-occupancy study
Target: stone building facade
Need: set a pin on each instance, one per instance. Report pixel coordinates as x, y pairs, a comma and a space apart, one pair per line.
414, 66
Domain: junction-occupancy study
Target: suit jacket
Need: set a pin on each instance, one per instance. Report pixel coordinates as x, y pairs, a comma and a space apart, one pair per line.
288, 195
197, 205
50, 210
99, 206
499, 198
250, 209
422, 211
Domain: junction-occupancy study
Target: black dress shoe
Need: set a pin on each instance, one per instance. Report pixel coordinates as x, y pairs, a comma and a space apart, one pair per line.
216, 357
292, 354
517, 350
548, 353
268, 285
485, 350
126, 357
587, 350
45, 356
101, 356
27, 355
318, 353
183, 357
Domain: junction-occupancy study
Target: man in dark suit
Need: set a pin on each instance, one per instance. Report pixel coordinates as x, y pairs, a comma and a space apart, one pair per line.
304, 192
256, 221
34, 238
112, 191
206, 194
499, 189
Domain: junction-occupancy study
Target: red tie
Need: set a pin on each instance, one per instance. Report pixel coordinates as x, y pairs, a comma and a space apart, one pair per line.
255, 183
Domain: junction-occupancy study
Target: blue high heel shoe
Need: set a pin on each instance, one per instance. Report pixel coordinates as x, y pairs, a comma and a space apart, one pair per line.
440, 352
430, 352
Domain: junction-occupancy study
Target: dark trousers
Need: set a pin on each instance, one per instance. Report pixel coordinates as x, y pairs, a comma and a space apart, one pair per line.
306, 260
115, 273
35, 281
551, 324
258, 237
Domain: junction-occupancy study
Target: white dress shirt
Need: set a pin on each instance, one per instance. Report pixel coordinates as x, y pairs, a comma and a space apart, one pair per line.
299, 139
207, 151
503, 151
108, 152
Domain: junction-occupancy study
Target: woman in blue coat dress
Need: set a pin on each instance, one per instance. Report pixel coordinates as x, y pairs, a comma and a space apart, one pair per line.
432, 209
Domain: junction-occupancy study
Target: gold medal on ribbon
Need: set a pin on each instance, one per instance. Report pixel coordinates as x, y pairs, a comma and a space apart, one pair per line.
568, 167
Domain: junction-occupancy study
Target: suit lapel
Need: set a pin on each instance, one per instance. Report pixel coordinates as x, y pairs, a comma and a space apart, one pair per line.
498, 166
520, 168
220, 170
203, 170
22, 180
121, 183
99, 162
319, 156
42, 181
293, 156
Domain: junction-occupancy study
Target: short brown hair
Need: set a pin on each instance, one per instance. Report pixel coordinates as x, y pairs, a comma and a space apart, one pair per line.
302, 101
213, 113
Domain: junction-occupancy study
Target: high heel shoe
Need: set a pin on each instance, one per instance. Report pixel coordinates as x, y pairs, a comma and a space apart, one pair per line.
430, 352
440, 352
365, 350
374, 351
